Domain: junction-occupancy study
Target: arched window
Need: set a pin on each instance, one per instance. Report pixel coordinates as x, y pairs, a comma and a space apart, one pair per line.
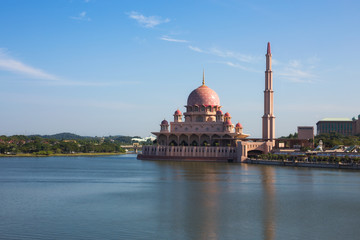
173, 143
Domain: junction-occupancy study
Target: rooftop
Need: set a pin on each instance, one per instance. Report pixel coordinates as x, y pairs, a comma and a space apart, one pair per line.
336, 120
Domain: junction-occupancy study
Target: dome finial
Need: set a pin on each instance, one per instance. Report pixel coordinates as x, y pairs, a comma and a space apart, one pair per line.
203, 82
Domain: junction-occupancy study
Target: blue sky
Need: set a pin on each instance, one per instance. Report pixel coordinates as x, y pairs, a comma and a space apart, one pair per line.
120, 67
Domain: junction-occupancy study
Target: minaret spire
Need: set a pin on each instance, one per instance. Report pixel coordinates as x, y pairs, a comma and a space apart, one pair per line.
203, 82
268, 118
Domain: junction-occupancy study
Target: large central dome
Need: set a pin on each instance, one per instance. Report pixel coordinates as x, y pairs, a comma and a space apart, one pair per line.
203, 95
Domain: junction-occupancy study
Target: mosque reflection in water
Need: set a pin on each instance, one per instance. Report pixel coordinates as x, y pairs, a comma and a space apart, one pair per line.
212, 200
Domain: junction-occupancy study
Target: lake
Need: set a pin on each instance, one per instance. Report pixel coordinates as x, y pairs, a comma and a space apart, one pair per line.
119, 197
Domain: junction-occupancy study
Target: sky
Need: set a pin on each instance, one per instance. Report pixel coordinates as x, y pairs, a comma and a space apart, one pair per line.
108, 67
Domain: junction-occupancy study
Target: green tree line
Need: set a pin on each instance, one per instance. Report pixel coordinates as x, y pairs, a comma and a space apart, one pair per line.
333, 139
38, 145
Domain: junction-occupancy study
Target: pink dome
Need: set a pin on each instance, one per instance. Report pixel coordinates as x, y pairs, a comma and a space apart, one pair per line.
219, 112
238, 125
227, 114
203, 95
164, 122
177, 112
228, 122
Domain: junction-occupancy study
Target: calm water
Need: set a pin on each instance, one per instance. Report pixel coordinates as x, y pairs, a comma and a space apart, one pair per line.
119, 197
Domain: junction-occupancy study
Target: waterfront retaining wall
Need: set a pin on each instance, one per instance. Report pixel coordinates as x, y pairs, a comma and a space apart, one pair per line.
188, 153
305, 164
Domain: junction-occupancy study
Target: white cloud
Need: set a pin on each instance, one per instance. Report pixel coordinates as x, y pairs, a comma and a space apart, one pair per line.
297, 76
11, 65
295, 64
31, 99
92, 84
169, 39
81, 17
234, 55
236, 65
298, 71
275, 62
196, 49
247, 59
148, 22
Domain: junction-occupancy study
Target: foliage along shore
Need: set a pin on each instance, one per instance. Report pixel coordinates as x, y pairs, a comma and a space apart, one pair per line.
61, 154
331, 140
70, 144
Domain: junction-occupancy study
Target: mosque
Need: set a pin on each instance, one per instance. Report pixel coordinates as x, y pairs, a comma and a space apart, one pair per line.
203, 123
204, 133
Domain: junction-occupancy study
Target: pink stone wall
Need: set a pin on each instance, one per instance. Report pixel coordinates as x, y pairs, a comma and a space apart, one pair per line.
197, 127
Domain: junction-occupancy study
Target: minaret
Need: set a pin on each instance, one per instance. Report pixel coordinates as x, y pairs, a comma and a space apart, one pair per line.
268, 118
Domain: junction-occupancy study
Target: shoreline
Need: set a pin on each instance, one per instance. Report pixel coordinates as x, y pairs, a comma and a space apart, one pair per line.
350, 166
285, 163
62, 154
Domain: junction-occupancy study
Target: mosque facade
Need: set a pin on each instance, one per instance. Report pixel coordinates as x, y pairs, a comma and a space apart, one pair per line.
203, 123
204, 133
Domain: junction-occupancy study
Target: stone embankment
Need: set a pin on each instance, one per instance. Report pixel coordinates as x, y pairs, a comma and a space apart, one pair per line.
352, 166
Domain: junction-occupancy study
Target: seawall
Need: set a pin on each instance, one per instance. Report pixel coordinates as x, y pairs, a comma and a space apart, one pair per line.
352, 166
184, 159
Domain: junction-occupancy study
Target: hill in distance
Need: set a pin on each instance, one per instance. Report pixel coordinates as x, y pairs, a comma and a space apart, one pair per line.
72, 136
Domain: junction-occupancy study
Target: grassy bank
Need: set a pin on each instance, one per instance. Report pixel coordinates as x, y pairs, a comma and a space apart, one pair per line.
60, 154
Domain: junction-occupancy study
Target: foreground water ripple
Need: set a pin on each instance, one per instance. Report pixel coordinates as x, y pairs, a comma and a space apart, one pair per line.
119, 197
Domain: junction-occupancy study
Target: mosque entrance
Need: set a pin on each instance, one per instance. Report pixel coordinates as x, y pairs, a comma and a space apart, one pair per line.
254, 153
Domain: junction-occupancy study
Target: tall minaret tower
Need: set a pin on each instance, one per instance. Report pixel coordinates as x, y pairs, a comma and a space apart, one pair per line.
268, 126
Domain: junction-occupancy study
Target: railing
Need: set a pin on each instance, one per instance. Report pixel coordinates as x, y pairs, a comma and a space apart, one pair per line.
189, 151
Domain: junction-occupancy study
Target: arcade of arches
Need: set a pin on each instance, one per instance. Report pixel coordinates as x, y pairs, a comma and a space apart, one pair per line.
192, 139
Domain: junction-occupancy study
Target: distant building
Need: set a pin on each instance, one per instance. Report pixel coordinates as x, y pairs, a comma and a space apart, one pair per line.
344, 126
305, 139
151, 138
305, 132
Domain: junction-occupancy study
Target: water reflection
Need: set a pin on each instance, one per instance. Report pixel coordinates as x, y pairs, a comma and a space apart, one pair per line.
197, 198
112, 198
268, 183
200, 198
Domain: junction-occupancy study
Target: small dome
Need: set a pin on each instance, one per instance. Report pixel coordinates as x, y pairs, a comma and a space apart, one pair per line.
203, 95
164, 122
238, 125
177, 112
219, 112
228, 122
227, 114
